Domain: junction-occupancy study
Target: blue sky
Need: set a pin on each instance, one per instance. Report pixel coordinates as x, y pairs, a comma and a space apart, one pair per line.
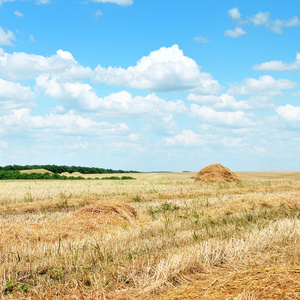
170, 85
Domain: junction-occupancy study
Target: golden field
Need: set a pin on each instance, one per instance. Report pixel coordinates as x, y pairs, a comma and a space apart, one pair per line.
161, 236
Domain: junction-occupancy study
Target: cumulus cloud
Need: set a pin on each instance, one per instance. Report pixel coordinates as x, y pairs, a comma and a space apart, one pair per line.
13, 95
166, 69
119, 2
186, 138
72, 94
237, 32
6, 37
83, 96
234, 14
208, 115
277, 65
23, 66
289, 114
264, 86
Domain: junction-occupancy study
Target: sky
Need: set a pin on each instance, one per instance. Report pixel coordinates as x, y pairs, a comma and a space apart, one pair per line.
150, 85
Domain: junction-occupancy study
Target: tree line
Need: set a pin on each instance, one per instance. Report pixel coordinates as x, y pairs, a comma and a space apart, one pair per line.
61, 169
16, 174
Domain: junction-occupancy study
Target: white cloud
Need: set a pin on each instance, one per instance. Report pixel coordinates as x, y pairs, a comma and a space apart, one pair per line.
98, 14
201, 39
3, 1
228, 102
43, 2
13, 95
233, 142
223, 102
83, 96
211, 116
203, 99
186, 138
234, 14
119, 2
3, 145
65, 55
237, 32
6, 37
22, 66
264, 86
135, 137
277, 25
18, 13
289, 114
277, 65
260, 18
166, 69
20, 120
296, 94
31, 38
72, 94
260, 150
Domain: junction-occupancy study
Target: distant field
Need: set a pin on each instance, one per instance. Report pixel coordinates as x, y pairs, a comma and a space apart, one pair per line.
161, 236
270, 174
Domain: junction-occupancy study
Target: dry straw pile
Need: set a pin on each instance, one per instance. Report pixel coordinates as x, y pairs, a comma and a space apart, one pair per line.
104, 213
216, 173
76, 174
258, 283
40, 171
65, 174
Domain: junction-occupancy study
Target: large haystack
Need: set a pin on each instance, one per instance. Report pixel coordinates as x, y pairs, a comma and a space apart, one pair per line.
103, 214
216, 173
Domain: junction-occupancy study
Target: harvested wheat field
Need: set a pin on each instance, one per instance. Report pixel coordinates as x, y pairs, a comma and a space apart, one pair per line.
161, 236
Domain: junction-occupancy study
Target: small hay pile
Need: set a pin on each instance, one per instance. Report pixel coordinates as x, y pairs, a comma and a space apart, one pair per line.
102, 214
216, 173
65, 174
40, 171
75, 174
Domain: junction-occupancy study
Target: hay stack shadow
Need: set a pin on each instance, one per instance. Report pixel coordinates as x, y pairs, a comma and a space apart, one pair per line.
216, 173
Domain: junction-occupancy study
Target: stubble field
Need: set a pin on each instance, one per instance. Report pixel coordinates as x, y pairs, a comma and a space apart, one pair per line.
161, 236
